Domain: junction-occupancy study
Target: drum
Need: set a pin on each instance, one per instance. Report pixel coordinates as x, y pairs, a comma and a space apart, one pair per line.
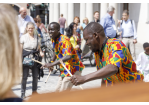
122, 92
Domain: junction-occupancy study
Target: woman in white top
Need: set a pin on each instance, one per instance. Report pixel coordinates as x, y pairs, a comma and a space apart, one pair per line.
28, 42
143, 62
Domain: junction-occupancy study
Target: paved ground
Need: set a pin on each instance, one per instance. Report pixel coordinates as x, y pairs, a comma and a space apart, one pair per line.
52, 81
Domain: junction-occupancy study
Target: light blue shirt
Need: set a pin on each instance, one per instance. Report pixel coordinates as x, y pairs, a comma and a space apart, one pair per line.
108, 25
83, 25
128, 29
22, 23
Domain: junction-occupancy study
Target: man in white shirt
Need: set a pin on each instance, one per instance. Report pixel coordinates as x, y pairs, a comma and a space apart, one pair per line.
23, 19
143, 62
129, 35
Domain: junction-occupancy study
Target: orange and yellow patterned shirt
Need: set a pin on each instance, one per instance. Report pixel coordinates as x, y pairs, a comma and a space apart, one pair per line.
63, 47
115, 52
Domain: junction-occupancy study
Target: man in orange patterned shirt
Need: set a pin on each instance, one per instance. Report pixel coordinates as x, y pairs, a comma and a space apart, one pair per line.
113, 61
65, 51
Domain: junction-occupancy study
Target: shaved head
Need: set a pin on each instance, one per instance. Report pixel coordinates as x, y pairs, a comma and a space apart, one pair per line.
23, 12
94, 36
94, 27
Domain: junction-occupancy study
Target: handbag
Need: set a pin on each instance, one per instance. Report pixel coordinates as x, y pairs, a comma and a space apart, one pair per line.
28, 61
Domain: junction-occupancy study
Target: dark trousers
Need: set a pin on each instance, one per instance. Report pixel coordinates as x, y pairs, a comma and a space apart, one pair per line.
35, 73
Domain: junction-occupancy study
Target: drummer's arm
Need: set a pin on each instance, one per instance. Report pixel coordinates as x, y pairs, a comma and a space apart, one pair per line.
64, 55
104, 72
67, 55
54, 57
64, 59
110, 69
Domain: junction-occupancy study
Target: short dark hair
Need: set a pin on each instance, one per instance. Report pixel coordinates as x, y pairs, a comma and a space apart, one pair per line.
94, 27
61, 14
96, 12
57, 25
146, 44
126, 11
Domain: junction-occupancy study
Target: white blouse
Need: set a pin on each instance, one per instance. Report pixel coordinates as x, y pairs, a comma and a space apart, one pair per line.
29, 44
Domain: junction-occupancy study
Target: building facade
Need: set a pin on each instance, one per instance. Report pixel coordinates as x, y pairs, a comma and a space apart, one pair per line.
139, 12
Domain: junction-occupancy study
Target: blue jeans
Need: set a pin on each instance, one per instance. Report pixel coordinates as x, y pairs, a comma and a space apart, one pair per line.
62, 31
79, 55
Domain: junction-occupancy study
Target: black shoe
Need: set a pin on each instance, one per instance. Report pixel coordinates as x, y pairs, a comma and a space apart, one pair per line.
23, 95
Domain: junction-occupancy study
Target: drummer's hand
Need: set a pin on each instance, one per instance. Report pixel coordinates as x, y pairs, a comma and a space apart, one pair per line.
50, 69
47, 65
76, 80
